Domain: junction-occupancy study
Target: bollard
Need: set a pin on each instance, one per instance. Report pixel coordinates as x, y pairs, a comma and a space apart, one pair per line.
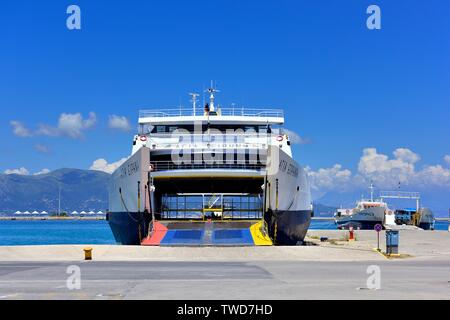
351, 236
87, 253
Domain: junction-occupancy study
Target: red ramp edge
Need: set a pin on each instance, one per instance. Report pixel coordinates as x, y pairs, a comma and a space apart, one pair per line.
156, 236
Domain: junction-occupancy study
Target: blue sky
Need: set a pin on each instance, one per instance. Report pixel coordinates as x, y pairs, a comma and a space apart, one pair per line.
343, 86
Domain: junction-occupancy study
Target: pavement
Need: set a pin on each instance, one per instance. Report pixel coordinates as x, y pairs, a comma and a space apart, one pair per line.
336, 269
225, 280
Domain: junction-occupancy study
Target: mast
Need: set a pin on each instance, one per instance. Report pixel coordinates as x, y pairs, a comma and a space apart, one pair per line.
194, 101
211, 92
371, 192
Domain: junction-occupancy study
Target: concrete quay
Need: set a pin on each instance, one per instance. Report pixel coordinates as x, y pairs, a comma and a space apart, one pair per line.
336, 269
414, 244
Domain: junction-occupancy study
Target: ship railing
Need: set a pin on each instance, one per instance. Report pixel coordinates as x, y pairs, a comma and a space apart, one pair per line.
234, 111
175, 133
231, 136
236, 165
399, 195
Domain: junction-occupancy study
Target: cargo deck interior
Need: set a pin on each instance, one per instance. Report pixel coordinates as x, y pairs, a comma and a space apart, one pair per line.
204, 211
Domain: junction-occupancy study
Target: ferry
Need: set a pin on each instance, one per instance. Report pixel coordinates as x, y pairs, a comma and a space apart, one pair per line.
420, 217
210, 176
365, 215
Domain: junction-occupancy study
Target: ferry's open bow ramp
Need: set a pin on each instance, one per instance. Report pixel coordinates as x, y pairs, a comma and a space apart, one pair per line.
209, 233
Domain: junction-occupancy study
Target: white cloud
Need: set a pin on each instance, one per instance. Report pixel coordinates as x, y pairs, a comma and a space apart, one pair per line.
43, 171
69, 124
22, 171
329, 178
47, 130
296, 138
388, 172
119, 123
20, 130
433, 176
406, 155
447, 159
103, 165
41, 148
385, 173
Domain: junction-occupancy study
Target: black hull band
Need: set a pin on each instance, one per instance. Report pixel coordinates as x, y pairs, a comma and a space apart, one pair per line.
129, 228
288, 227
358, 224
285, 227
426, 226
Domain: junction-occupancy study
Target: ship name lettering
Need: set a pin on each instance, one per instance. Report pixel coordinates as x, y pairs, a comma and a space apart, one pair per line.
129, 169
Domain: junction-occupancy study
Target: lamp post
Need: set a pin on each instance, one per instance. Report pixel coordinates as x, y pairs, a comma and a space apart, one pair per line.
59, 199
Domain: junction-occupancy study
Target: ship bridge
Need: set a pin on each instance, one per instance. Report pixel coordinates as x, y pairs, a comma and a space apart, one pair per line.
211, 114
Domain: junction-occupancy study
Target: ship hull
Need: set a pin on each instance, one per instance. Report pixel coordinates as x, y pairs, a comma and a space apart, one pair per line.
288, 227
287, 199
365, 219
285, 227
128, 228
426, 219
358, 224
426, 225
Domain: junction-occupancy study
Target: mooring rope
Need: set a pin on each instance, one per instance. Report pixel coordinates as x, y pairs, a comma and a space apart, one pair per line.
125, 206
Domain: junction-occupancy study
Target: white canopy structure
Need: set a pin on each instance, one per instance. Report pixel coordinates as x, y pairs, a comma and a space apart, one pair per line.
83, 212
44, 212
91, 212
100, 212
26, 212
74, 212
18, 212
35, 212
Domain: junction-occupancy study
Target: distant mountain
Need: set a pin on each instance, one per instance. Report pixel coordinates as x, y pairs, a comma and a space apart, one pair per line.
321, 210
80, 190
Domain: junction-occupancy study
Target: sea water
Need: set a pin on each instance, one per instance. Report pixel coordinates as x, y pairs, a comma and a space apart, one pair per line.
34, 232
42, 232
